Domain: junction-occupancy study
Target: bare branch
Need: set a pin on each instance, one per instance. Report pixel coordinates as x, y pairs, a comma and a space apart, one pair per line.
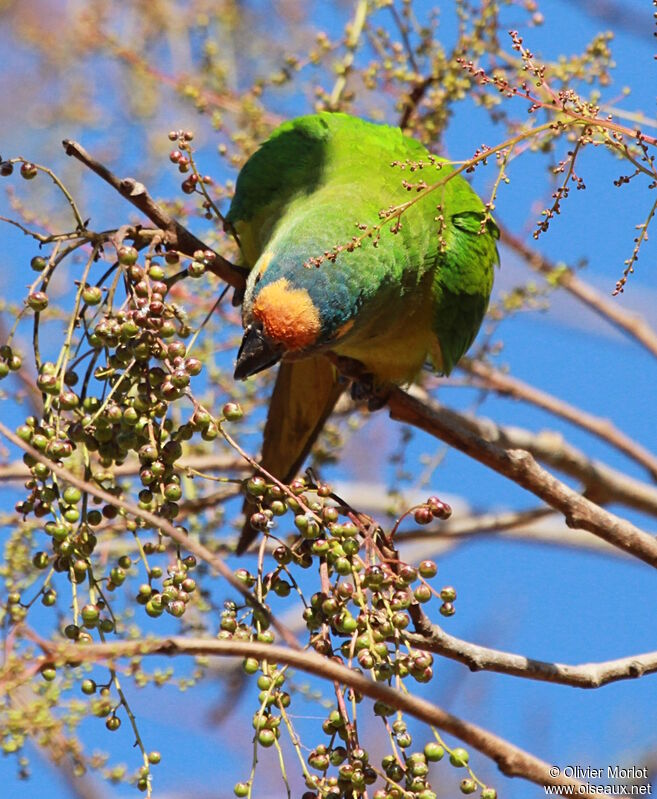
508, 525
480, 658
520, 466
178, 236
415, 97
602, 483
511, 760
17, 470
631, 324
603, 428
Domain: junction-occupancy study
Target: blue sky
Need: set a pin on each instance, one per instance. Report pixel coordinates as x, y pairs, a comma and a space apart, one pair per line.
565, 605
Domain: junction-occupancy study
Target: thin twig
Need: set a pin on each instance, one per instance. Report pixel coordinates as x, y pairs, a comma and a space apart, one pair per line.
178, 236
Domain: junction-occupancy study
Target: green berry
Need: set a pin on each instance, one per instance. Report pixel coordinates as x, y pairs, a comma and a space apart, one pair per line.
113, 723
256, 486
48, 673
266, 738
127, 256
459, 757
40, 560
433, 751
428, 569
90, 615
422, 593
72, 495
232, 412
37, 300
197, 269
447, 609
92, 295
250, 665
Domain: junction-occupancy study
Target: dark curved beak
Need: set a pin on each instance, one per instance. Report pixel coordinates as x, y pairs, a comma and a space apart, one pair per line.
256, 353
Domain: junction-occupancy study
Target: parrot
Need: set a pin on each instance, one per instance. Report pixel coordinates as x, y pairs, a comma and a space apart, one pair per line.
352, 259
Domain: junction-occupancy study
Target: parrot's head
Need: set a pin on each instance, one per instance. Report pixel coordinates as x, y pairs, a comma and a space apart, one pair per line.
290, 309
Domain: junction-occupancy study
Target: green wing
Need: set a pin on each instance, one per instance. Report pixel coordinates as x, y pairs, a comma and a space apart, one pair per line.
463, 283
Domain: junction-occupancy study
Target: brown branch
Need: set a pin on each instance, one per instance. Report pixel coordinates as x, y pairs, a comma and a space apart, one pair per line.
415, 97
603, 428
602, 483
511, 760
158, 523
519, 466
17, 470
612, 311
511, 525
177, 236
480, 658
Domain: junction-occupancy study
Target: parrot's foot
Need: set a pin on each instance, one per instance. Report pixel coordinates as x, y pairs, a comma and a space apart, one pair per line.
364, 386
366, 389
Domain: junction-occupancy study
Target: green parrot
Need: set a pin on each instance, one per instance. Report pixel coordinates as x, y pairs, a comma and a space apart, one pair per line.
321, 288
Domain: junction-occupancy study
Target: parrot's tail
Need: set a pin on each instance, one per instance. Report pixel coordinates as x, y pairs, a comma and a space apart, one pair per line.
304, 396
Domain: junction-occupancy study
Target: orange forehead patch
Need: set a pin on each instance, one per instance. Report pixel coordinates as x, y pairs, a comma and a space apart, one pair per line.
288, 315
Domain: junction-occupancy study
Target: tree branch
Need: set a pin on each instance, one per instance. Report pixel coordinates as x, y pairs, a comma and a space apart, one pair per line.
519, 466
480, 658
602, 483
17, 470
511, 760
158, 523
177, 236
505, 385
631, 324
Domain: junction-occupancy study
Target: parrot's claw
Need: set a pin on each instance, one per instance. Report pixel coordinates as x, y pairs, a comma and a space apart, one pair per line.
378, 399
365, 389
364, 386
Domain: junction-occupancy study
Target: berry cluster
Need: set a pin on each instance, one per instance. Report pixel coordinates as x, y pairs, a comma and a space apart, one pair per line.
369, 602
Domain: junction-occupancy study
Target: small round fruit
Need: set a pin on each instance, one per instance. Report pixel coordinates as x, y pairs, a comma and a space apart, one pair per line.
434, 752
28, 170
127, 256
232, 412
459, 757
